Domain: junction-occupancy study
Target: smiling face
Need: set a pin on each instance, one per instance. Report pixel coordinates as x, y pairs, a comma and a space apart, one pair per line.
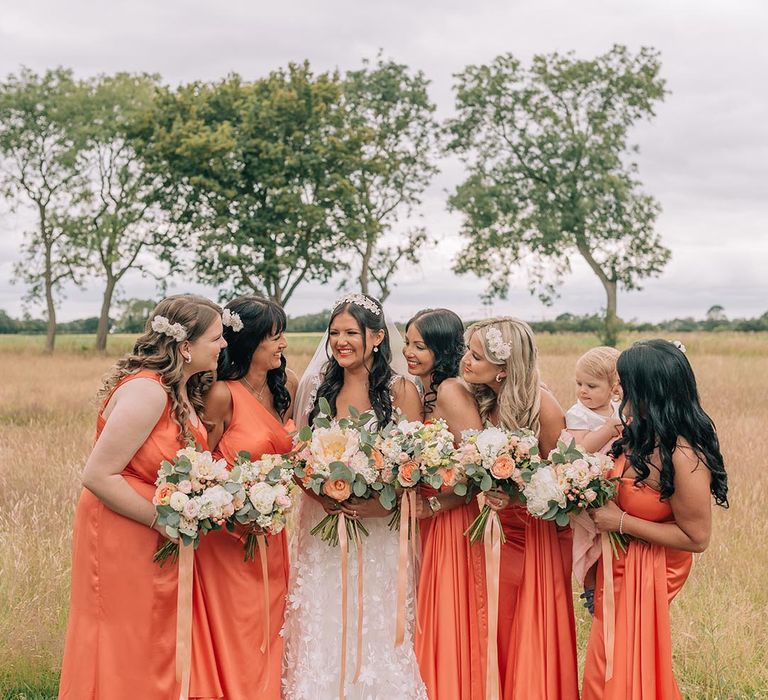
346, 340
269, 352
420, 359
205, 349
476, 368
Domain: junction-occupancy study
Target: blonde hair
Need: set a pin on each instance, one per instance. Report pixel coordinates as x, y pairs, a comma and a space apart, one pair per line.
600, 362
159, 352
519, 398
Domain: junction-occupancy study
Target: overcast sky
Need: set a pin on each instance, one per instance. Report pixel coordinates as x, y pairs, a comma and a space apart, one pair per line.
704, 157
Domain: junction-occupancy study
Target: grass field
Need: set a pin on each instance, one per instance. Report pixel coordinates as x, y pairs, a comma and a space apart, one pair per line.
47, 417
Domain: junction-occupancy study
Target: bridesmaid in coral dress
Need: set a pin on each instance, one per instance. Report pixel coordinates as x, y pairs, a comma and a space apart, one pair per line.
245, 411
670, 466
536, 627
121, 638
450, 636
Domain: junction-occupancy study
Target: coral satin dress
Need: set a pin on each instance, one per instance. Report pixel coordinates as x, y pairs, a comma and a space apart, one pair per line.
121, 638
537, 630
450, 636
646, 579
234, 588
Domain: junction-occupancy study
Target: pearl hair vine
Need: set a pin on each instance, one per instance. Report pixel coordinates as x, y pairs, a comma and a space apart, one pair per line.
160, 324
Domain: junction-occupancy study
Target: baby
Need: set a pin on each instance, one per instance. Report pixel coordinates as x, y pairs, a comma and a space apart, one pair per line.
594, 419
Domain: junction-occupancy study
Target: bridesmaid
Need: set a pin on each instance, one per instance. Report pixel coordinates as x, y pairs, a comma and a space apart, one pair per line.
451, 589
121, 638
670, 466
245, 411
537, 631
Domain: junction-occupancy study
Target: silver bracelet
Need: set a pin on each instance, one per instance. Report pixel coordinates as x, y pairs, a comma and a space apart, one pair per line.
621, 522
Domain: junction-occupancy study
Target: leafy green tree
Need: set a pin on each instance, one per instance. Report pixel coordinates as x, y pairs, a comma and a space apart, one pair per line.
551, 173
41, 137
122, 225
133, 315
393, 117
257, 170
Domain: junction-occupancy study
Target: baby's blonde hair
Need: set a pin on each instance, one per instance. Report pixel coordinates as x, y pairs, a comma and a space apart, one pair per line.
600, 363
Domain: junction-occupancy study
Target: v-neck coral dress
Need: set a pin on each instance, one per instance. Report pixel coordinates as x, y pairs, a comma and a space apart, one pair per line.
233, 587
121, 637
646, 579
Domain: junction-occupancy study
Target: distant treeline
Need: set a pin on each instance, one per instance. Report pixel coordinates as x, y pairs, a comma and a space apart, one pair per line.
317, 322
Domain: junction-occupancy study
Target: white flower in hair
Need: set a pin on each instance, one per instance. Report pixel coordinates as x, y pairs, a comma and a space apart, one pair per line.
232, 319
359, 300
679, 346
160, 324
496, 344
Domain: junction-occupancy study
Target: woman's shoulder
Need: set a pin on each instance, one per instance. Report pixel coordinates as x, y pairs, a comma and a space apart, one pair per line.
218, 399
453, 387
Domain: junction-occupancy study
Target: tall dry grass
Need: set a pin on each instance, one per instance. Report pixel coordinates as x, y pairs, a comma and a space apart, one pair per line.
47, 417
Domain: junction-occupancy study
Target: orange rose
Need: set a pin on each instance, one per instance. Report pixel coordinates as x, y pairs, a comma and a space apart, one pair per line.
503, 467
163, 493
407, 472
448, 474
337, 489
378, 459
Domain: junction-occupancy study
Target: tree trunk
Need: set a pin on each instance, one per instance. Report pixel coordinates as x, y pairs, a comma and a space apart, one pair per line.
365, 264
611, 327
50, 340
106, 304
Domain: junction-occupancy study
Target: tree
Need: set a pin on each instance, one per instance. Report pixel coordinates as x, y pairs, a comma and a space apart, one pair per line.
392, 115
551, 174
258, 169
133, 315
716, 313
41, 136
122, 219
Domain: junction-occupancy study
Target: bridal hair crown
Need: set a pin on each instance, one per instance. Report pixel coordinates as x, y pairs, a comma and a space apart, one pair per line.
160, 324
496, 344
679, 346
359, 300
232, 319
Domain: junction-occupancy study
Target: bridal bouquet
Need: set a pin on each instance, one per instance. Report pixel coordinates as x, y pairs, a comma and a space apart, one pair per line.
338, 459
495, 459
263, 494
416, 452
567, 484
194, 495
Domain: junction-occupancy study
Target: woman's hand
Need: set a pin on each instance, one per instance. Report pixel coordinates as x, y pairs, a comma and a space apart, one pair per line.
364, 508
160, 529
606, 518
497, 500
423, 509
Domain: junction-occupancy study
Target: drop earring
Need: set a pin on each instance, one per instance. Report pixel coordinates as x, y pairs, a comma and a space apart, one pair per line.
499, 378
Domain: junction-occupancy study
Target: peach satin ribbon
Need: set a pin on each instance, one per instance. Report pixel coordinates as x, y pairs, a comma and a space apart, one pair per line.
609, 605
344, 548
184, 618
407, 532
265, 644
492, 542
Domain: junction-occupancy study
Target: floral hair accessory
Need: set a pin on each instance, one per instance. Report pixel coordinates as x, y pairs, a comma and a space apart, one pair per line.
160, 324
232, 319
359, 300
679, 346
496, 344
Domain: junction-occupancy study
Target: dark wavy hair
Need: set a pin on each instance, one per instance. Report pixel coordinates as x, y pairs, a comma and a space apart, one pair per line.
380, 373
262, 318
660, 388
443, 333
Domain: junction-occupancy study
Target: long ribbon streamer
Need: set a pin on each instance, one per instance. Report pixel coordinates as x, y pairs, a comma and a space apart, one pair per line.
344, 550
402, 571
359, 647
266, 642
184, 619
492, 542
609, 605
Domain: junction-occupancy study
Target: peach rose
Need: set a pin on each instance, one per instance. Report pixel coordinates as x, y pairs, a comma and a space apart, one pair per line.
378, 459
407, 472
448, 474
503, 467
163, 494
337, 489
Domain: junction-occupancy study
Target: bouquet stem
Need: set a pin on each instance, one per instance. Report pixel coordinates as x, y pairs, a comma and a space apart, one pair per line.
328, 529
167, 550
477, 526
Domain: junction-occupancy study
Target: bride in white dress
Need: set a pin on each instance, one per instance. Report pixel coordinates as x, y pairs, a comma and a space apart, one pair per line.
352, 367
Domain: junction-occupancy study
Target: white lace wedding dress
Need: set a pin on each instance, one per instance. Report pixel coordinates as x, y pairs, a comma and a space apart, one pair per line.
312, 630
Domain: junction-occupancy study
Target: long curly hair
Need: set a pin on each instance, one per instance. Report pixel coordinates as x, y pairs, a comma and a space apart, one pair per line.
519, 399
160, 353
443, 333
379, 375
659, 388
262, 318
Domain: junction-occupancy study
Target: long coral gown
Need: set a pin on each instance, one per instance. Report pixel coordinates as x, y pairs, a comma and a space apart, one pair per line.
234, 588
121, 637
451, 610
537, 629
646, 579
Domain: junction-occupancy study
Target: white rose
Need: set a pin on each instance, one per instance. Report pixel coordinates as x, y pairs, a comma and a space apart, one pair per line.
262, 497
178, 501
184, 486
490, 441
542, 490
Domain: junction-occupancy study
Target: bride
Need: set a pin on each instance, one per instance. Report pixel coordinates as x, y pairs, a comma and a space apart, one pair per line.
353, 366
